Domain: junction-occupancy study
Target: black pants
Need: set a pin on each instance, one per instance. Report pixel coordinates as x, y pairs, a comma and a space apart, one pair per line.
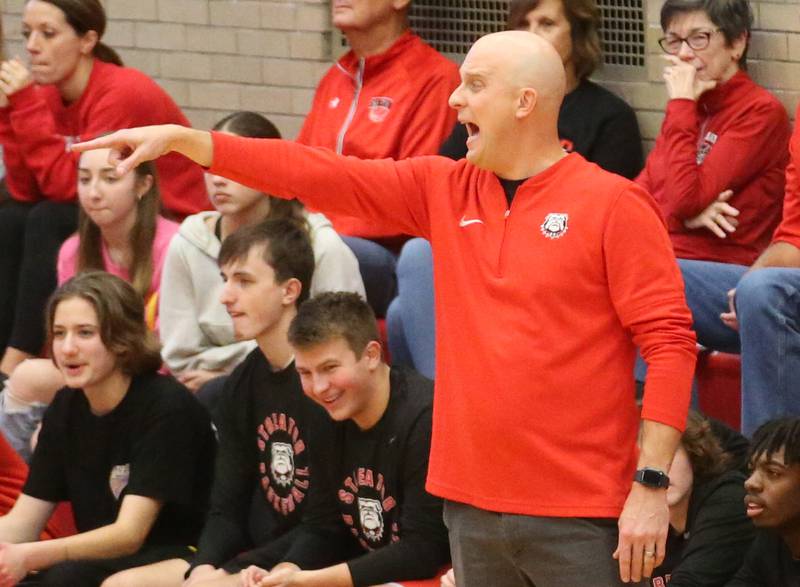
30, 238
91, 573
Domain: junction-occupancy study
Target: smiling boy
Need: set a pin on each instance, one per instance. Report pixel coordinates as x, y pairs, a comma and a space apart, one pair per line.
773, 504
380, 453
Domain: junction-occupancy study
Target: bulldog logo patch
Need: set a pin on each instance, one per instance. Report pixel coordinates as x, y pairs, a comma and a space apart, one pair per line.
554, 225
371, 517
379, 107
282, 463
118, 479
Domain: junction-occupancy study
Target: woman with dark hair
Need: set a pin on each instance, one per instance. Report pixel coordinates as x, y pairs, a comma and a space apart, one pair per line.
717, 168
197, 332
592, 121
74, 88
121, 232
130, 449
709, 530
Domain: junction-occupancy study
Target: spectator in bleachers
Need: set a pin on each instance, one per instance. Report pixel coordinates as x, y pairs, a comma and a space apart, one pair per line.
717, 168
773, 503
197, 332
709, 530
267, 479
592, 122
74, 88
120, 231
754, 311
131, 450
379, 460
387, 97
535, 422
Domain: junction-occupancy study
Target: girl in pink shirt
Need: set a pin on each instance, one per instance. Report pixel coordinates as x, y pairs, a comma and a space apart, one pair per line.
119, 230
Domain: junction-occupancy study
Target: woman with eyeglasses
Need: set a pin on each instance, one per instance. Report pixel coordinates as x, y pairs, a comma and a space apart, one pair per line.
717, 168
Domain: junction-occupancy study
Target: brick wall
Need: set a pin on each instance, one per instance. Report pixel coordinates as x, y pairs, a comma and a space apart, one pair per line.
215, 56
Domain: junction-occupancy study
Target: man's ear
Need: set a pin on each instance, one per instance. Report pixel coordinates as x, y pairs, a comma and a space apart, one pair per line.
373, 353
401, 5
526, 103
291, 291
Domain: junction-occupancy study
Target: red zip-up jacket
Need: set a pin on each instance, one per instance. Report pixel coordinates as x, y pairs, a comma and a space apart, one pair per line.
734, 137
37, 128
389, 105
539, 308
789, 229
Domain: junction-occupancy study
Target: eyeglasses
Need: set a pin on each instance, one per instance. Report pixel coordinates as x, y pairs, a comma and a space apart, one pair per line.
697, 41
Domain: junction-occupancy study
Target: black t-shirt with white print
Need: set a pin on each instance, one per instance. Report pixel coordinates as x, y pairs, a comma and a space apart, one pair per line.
380, 482
157, 443
264, 473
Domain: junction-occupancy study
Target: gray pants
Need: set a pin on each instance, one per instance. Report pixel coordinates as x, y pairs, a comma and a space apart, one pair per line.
507, 550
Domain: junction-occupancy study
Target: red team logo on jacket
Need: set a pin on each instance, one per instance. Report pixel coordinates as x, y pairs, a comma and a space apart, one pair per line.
283, 463
379, 107
368, 509
704, 148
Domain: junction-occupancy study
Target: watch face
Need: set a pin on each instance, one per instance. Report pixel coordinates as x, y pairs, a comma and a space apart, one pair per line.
652, 477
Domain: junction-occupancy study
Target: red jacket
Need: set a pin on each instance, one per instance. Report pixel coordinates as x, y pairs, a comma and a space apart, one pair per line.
13, 473
735, 137
37, 128
389, 105
789, 228
538, 311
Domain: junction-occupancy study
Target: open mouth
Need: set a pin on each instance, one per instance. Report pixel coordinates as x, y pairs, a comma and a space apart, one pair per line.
473, 132
755, 507
72, 369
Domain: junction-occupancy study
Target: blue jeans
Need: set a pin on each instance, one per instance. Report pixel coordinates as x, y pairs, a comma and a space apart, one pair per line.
768, 310
410, 319
377, 266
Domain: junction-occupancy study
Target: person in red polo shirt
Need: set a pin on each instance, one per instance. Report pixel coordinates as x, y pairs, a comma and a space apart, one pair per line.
549, 272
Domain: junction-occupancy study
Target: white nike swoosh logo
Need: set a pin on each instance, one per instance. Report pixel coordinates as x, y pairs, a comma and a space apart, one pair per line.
464, 222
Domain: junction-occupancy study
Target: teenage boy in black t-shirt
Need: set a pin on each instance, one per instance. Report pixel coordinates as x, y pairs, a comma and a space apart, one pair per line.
773, 503
265, 482
380, 454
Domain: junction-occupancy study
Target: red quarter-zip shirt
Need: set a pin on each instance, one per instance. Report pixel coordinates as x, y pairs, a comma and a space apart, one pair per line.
539, 308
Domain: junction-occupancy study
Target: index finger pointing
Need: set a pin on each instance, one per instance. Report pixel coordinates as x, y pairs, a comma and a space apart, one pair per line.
105, 142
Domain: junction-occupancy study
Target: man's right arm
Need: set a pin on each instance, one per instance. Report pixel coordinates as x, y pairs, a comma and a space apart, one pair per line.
388, 193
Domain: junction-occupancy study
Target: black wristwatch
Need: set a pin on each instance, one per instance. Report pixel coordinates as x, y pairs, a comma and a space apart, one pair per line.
650, 477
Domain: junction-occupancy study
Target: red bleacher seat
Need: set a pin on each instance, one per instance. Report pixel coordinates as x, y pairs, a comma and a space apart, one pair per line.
718, 378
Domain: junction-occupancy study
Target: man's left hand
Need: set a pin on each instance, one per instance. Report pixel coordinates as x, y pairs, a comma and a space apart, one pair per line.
643, 527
